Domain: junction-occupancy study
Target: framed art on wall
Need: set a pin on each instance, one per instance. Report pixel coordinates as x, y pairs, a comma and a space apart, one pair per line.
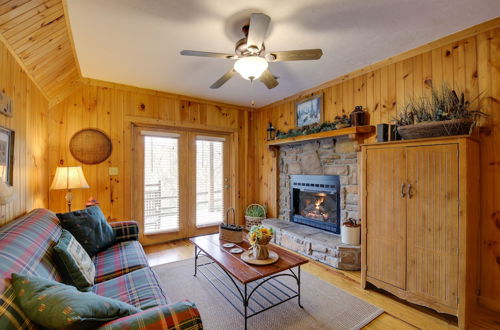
309, 110
6, 155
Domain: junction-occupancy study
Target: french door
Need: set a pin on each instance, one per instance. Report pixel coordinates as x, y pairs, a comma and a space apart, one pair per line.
181, 182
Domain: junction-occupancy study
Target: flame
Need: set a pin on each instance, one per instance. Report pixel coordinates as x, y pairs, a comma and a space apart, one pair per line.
318, 202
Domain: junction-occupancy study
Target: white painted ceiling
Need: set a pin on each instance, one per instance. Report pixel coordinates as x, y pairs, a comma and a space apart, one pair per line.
137, 42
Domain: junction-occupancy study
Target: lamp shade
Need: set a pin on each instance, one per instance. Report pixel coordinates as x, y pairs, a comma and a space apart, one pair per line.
69, 178
251, 67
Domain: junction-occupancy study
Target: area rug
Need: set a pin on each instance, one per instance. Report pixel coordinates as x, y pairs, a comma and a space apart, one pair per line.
325, 306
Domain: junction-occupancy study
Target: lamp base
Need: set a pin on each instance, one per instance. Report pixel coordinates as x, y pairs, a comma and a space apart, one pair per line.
69, 199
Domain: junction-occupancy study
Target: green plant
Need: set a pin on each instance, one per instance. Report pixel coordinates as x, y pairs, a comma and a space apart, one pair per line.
255, 211
443, 104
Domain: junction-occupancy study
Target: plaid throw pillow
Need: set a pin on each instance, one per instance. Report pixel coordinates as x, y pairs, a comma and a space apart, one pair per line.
55, 305
75, 263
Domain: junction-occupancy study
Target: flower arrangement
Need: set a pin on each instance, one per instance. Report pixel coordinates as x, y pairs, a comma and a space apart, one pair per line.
259, 237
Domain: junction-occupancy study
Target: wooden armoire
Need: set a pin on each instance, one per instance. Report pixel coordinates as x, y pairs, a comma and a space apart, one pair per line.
420, 221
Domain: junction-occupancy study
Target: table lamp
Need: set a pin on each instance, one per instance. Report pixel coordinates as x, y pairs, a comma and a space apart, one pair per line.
69, 178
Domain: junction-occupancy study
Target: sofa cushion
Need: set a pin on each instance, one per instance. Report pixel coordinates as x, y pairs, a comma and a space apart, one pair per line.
119, 259
26, 246
57, 306
90, 228
139, 288
75, 261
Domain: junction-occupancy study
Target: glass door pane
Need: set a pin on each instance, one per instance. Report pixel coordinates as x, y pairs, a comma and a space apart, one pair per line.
161, 184
209, 181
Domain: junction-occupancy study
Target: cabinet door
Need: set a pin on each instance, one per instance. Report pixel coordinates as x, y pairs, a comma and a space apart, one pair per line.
432, 221
386, 215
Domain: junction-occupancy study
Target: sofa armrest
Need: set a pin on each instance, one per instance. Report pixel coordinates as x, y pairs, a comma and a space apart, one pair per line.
125, 231
181, 315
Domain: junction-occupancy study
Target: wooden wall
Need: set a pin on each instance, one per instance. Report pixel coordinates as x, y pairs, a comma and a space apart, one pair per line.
30, 125
468, 61
113, 108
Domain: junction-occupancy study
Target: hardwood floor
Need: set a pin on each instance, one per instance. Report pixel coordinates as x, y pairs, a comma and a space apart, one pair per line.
398, 314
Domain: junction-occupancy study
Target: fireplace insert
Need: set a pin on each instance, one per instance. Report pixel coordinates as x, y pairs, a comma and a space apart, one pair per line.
315, 201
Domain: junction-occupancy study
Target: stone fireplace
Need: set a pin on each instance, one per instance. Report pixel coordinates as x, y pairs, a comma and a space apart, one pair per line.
310, 225
324, 157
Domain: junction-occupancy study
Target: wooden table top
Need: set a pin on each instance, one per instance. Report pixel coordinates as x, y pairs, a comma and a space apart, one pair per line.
243, 272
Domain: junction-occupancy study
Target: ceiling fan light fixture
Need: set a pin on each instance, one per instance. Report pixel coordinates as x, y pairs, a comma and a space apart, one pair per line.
251, 67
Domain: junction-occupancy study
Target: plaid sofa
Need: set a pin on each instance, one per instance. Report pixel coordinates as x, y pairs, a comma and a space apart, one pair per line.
122, 272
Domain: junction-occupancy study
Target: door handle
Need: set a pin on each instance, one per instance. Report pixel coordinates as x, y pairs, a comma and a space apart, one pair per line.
410, 191
403, 192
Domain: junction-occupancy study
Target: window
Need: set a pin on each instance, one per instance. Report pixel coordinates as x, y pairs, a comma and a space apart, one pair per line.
161, 182
209, 180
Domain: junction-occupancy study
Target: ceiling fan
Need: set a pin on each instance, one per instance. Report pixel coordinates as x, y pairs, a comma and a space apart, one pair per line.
252, 60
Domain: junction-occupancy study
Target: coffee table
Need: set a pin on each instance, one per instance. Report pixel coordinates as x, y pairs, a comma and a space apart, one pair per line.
248, 281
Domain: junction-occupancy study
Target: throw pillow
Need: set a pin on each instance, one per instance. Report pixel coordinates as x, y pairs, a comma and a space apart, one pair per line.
55, 305
90, 228
75, 262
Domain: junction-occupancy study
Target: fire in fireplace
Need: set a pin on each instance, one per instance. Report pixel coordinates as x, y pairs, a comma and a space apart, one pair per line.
316, 201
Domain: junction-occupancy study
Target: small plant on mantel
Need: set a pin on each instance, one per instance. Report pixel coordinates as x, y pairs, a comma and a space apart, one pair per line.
338, 123
444, 113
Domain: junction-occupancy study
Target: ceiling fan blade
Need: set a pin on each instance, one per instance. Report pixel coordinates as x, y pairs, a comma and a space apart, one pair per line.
222, 80
295, 55
259, 24
268, 79
206, 54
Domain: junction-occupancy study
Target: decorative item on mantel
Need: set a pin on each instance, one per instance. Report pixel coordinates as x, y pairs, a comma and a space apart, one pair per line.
231, 232
358, 116
351, 232
341, 122
338, 123
271, 132
254, 214
443, 114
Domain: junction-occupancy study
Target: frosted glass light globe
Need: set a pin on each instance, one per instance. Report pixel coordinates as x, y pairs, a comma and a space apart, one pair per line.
251, 67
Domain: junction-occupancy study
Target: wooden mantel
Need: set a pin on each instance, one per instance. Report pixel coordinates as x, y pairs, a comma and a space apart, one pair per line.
354, 133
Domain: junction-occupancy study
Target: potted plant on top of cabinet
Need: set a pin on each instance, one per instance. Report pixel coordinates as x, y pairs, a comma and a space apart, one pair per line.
445, 113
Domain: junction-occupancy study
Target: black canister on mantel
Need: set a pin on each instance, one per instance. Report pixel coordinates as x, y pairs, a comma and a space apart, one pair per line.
358, 116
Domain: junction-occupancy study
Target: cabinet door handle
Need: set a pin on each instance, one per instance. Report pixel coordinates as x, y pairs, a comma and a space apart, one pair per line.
410, 191
403, 192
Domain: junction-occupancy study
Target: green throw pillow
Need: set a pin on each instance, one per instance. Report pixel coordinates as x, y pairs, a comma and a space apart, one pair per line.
90, 228
75, 262
55, 305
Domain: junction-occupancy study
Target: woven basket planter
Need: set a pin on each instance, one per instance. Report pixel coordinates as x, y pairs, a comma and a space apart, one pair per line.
436, 128
254, 221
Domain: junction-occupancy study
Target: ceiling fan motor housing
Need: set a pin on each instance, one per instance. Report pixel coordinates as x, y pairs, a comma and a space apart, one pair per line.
241, 49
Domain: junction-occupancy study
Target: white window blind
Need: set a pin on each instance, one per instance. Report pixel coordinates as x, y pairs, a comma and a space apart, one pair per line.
161, 182
209, 181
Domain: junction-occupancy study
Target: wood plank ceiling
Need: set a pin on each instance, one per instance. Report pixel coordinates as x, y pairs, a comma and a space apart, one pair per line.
36, 32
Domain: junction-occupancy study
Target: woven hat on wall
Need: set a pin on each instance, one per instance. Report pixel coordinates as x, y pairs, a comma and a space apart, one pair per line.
90, 146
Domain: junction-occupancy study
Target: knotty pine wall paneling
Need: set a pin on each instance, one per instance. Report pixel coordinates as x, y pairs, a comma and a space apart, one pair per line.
29, 121
114, 109
468, 61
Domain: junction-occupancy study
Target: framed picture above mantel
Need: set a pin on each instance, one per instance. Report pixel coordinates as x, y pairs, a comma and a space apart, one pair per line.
309, 110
